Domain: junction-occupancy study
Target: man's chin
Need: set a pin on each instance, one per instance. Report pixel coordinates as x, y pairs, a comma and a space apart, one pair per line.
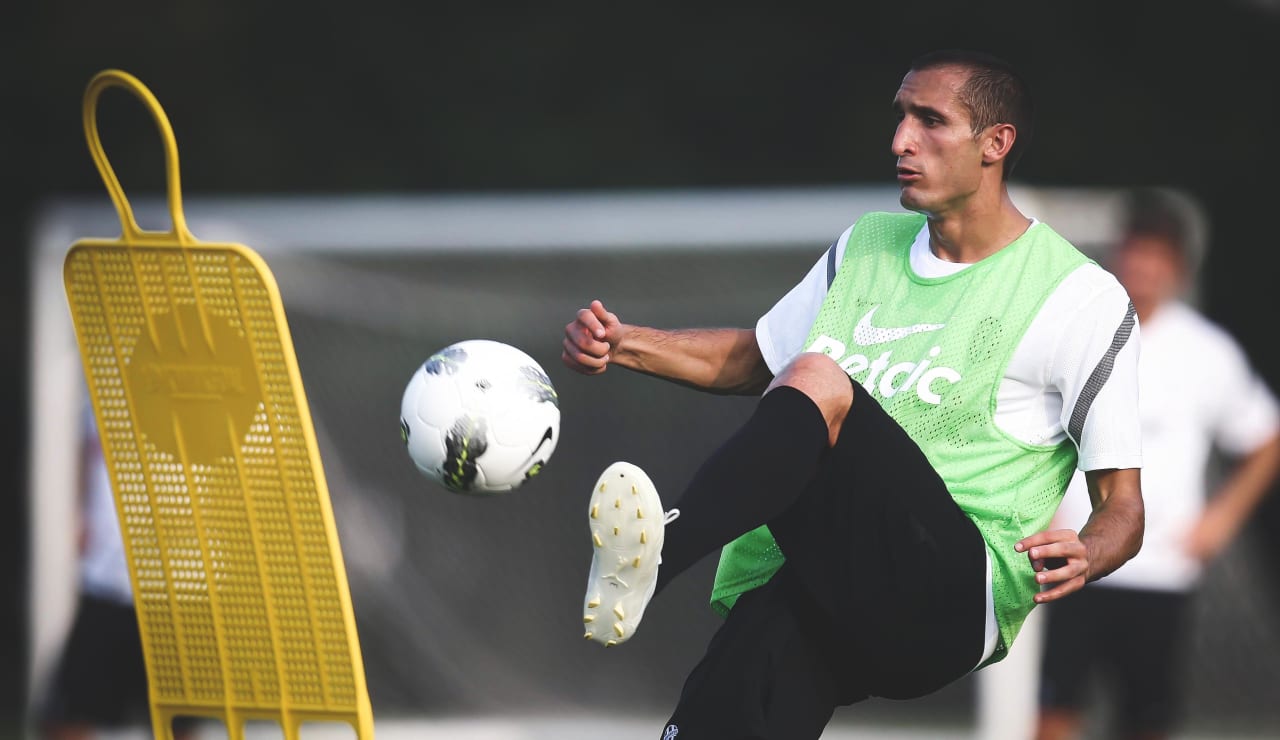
910, 201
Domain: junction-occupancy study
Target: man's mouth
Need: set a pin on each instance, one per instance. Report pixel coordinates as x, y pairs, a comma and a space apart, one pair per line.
907, 174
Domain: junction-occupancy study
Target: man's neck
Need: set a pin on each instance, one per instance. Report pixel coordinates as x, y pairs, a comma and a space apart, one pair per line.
978, 230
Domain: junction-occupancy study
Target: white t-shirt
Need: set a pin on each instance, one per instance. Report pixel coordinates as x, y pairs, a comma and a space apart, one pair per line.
1047, 375
1198, 392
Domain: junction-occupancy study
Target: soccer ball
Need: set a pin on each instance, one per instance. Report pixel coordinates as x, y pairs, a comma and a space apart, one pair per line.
480, 417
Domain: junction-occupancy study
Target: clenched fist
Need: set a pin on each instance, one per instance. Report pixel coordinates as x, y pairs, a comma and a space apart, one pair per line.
590, 339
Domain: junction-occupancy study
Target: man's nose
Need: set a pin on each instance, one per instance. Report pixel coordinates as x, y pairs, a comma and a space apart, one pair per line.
903, 142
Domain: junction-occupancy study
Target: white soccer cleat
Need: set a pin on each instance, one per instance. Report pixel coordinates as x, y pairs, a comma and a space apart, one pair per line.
627, 524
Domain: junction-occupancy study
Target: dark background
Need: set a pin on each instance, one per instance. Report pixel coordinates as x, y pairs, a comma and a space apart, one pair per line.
375, 97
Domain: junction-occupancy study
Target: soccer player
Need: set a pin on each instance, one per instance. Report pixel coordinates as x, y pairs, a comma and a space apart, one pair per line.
928, 389
1132, 625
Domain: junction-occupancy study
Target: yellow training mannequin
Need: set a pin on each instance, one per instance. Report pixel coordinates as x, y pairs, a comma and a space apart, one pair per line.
238, 578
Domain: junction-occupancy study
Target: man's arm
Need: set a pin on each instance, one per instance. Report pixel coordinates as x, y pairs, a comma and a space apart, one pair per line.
725, 361
1235, 500
1112, 535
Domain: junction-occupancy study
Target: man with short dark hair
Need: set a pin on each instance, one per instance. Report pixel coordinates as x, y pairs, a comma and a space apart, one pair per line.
928, 389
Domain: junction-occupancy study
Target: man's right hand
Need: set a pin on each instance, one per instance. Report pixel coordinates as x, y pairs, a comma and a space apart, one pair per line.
724, 361
590, 340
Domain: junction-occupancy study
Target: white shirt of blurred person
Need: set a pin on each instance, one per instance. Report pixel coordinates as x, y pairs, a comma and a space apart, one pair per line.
1197, 391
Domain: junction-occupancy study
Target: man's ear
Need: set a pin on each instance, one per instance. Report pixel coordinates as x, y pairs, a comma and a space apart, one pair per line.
997, 141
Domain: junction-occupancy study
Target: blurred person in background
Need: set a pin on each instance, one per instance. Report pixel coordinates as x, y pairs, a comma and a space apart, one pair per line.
100, 682
1197, 392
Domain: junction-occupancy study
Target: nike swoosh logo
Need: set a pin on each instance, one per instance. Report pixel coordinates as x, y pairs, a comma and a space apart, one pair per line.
865, 334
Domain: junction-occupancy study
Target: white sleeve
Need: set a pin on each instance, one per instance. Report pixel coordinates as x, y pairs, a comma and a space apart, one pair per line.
1095, 368
781, 332
1246, 416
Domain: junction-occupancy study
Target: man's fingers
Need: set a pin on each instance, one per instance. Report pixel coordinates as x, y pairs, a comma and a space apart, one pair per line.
585, 349
1050, 564
1060, 560
578, 367
1072, 569
590, 321
584, 357
607, 320
576, 359
1043, 538
1070, 549
581, 334
1057, 592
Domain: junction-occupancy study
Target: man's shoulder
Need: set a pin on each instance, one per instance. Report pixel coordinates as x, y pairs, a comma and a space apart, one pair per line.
1085, 290
1076, 283
1048, 237
1094, 278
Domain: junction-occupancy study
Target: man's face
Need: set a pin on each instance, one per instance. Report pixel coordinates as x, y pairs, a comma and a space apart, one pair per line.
939, 160
1150, 269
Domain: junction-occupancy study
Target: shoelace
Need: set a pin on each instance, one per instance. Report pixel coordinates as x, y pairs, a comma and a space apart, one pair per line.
667, 518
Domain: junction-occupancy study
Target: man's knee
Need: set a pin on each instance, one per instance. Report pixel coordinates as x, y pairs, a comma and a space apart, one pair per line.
819, 377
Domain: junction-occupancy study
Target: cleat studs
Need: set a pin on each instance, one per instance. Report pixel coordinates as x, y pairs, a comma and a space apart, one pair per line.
617, 503
644, 537
595, 601
596, 538
617, 629
595, 511
601, 488
588, 619
616, 530
639, 514
587, 636
635, 491
617, 611
611, 643
635, 563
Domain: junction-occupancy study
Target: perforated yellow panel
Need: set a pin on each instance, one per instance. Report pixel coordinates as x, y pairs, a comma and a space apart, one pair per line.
241, 591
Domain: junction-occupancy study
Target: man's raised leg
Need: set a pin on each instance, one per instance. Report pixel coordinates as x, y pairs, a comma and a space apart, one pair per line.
760, 471
756, 475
